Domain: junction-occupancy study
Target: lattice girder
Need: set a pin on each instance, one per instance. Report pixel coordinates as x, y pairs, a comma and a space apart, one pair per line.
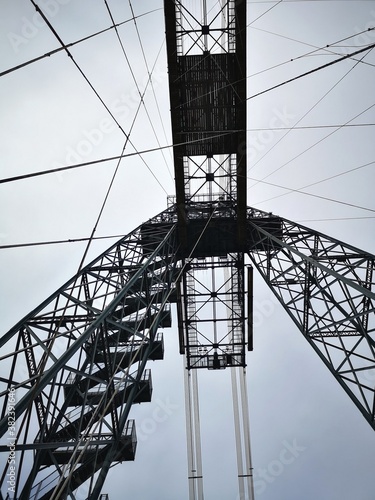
198, 31
206, 49
328, 289
77, 363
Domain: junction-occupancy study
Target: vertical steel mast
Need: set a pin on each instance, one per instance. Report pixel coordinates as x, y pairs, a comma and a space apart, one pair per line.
78, 361
206, 50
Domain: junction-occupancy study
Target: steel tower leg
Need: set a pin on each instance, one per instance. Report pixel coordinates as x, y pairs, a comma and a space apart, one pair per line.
328, 289
74, 366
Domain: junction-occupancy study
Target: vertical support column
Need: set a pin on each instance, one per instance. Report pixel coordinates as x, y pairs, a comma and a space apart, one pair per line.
250, 308
242, 433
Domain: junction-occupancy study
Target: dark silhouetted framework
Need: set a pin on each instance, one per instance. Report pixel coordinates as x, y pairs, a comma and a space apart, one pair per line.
79, 361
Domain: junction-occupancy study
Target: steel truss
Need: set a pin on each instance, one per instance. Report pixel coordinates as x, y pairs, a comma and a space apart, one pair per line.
206, 49
211, 29
76, 364
327, 287
213, 315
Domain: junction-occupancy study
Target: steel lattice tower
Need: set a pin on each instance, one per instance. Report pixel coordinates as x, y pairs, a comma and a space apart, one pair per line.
78, 361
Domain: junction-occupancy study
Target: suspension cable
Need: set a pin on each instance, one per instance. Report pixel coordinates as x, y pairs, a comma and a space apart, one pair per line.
307, 113
319, 68
38, 9
104, 160
69, 45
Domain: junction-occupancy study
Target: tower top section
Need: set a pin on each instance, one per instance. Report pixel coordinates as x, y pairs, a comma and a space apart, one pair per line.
206, 48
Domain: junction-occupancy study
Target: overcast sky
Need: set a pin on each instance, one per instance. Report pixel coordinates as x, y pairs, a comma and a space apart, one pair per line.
50, 117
